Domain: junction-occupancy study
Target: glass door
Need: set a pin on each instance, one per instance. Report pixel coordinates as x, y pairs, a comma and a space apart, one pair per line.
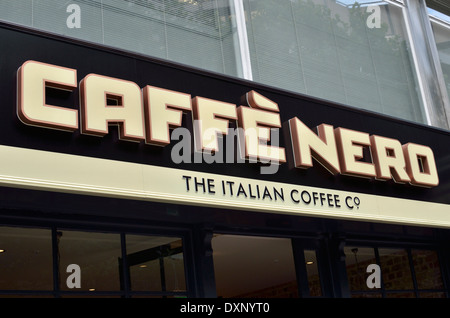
263, 267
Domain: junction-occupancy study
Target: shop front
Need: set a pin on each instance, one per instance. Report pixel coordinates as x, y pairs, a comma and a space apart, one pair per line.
127, 176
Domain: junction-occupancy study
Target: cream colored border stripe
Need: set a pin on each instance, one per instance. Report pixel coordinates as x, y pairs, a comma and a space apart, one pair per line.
42, 170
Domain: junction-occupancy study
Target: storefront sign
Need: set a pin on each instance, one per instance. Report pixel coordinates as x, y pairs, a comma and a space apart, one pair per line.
147, 114
50, 171
331, 160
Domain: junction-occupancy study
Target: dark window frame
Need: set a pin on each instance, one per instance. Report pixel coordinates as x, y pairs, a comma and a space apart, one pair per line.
300, 242
408, 246
182, 233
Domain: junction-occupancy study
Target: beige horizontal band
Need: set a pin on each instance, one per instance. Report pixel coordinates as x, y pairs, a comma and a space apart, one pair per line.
42, 170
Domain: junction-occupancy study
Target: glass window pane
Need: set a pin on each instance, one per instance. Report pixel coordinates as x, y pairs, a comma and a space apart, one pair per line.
26, 259
427, 269
395, 269
199, 33
155, 263
19, 12
356, 261
52, 16
438, 15
439, 9
327, 49
133, 27
442, 37
312, 272
248, 267
98, 256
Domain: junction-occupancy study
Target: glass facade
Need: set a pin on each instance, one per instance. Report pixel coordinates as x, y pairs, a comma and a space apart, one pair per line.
249, 267
26, 259
403, 272
155, 263
62, 262
69, 263
329, 50
312, 271
196, 33
358, 54
96, 254
441, 31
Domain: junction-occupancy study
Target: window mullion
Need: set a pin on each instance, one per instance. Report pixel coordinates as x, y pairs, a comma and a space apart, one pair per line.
427, 64
413, 273
242, 38
56, 263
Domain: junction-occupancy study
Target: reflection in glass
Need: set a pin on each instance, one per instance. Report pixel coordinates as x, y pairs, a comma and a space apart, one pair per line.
427, 269
356, 260
396, 272
442, 37
97, 254
155, 263
248, 267
312, 272
439, 15
200, 33
326, 49
395, 269
25, 259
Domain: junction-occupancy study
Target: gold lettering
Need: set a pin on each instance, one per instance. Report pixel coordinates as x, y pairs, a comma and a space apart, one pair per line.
256, 100
420, 165
95, 90
351, 144
307, 145
106, 100
389, 159
163, 111
33, 77
211, 118
256, 123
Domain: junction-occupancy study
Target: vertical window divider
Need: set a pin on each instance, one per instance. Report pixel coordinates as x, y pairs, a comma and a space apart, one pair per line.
442, 258
300, 266
413, 273
378, 261
56, 265
125, 271
426, 62
244, 50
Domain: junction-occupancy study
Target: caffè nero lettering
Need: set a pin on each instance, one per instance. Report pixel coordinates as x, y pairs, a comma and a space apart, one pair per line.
147, 114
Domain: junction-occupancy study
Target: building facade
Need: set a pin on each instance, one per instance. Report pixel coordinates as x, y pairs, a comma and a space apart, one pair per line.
225, 148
